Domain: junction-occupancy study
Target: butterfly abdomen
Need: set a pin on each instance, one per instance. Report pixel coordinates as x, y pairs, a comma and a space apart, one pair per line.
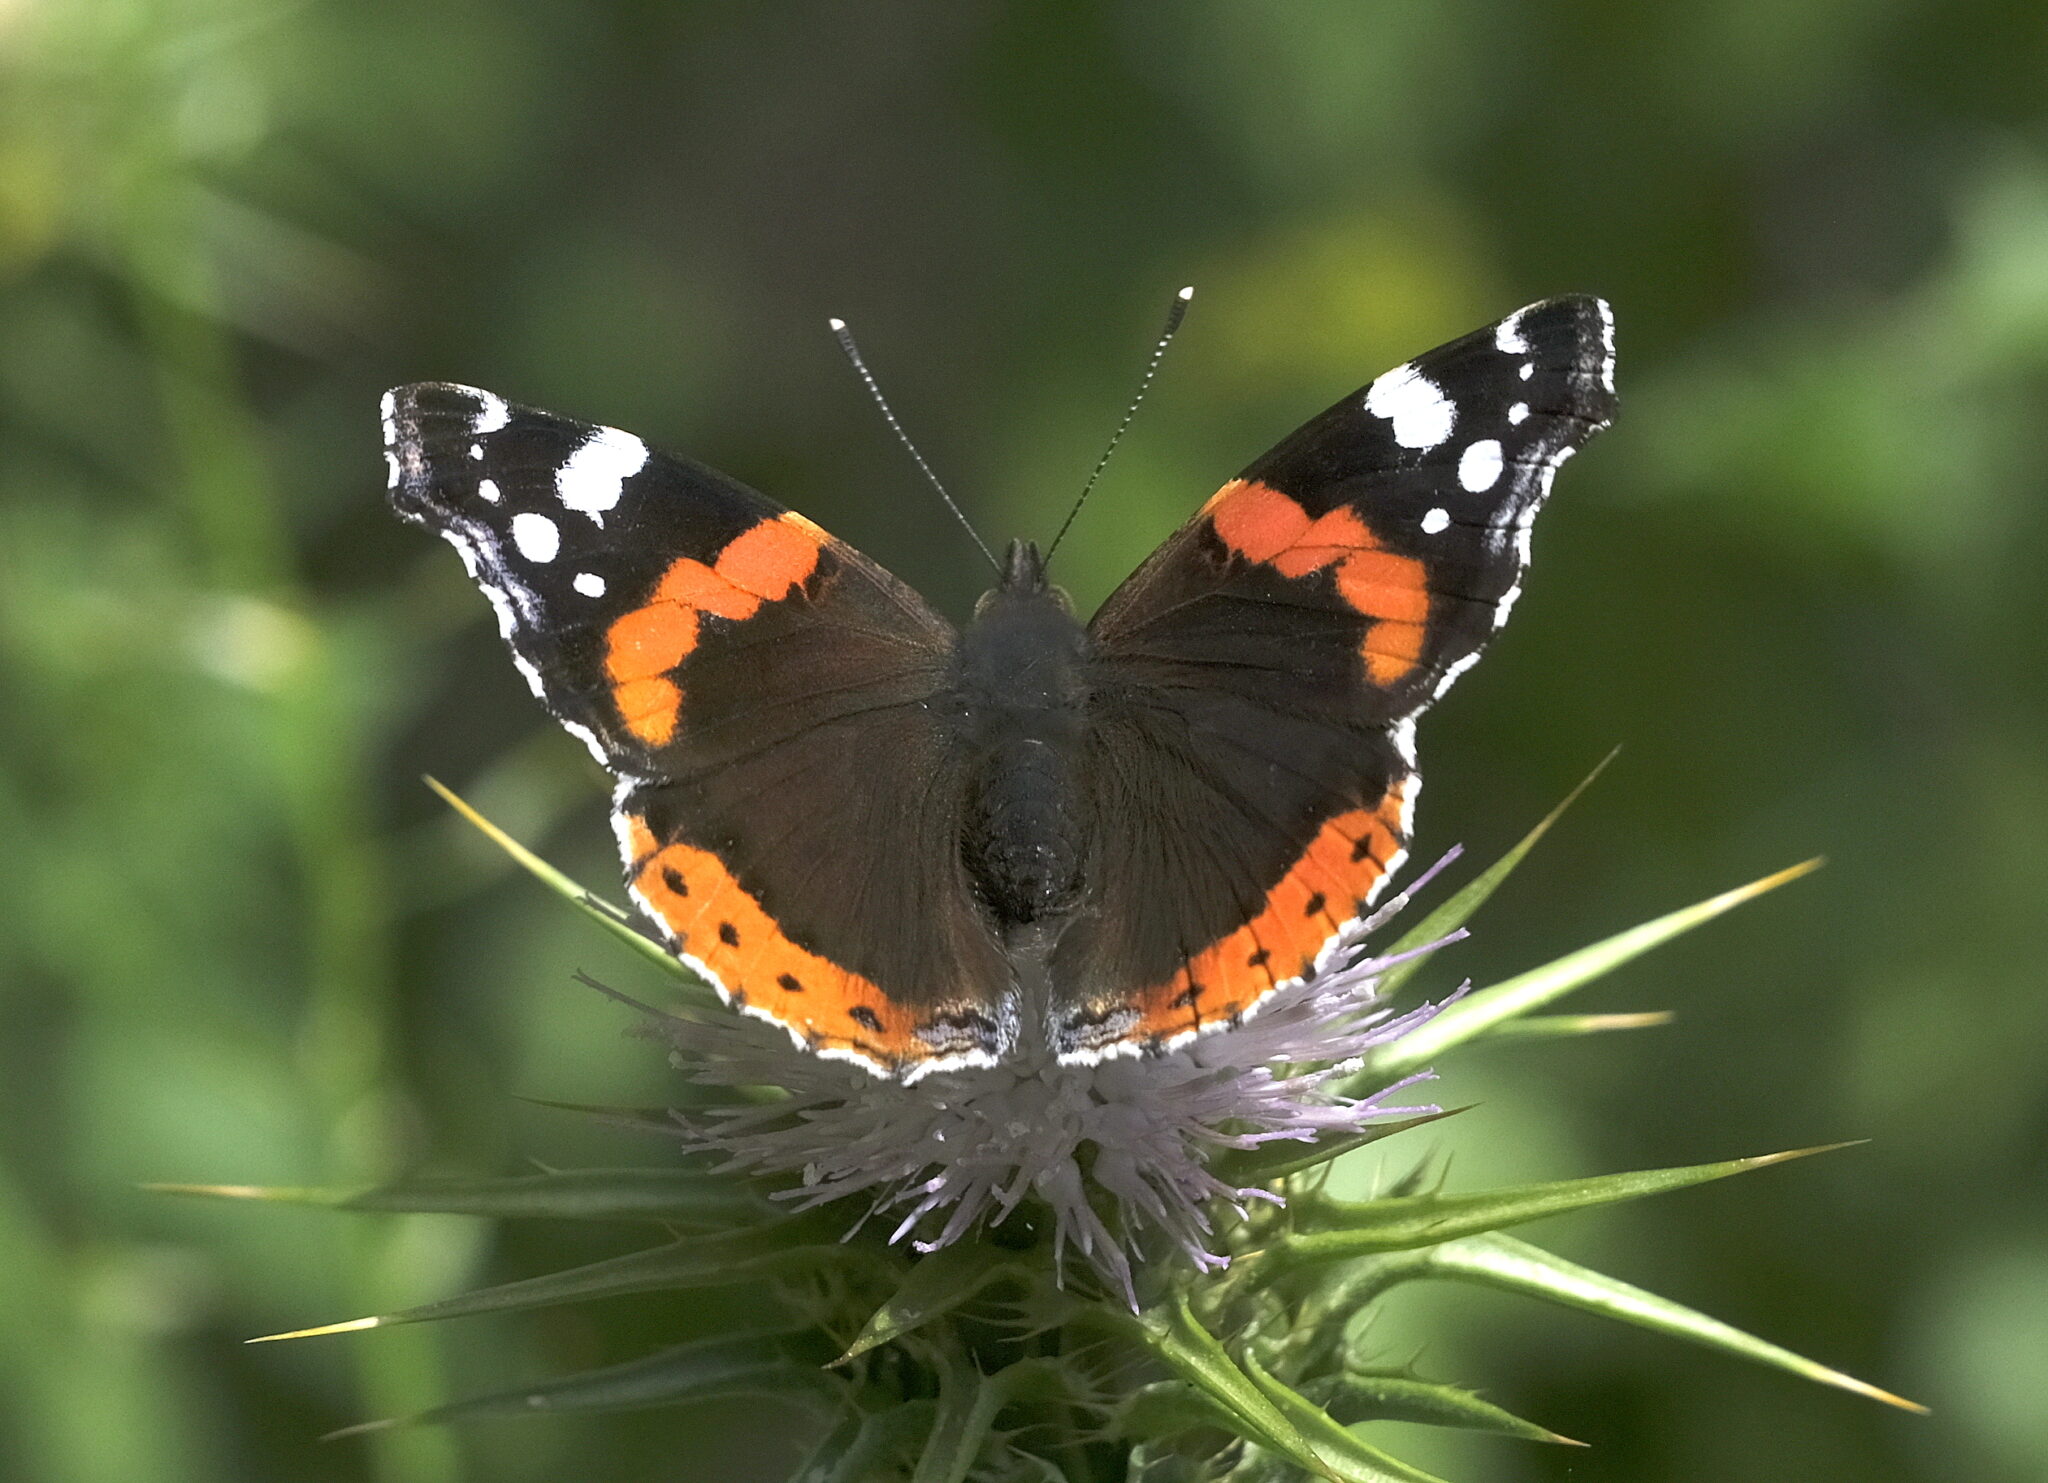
1020, 842
1021, 693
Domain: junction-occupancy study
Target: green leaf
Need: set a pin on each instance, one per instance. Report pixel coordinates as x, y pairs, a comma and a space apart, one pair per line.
1180, 1342
967, 1410
1458, 910
827, 1460
866, 1447
1512, 1265
1357, 1228
1262, 1410
1257, 1465
1480, 1012
936, 1285
667, 1195
1348, 1455
1045, 1467
1362, 1396
1282, 1160
969, 1403
699, 1261
613, 919
1566, 1026
1166, 1408
781, 1364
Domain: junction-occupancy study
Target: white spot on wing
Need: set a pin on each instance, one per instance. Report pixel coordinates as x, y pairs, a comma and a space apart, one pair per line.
585, 735
1457, 668
1507, 335
1606, 343
464, 548
1528, 369
482, 571
488, 489
476, 450
1407, 788
1420, 412
590, 584
501, 608
1403, 734
1436, 520
391, 478
1518, 413
537, 537
622, 831
1523, 522
1479, 465
492, 412
533, 682
595, 475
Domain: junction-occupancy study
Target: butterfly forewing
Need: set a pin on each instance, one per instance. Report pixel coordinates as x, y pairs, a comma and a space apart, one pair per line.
565, 527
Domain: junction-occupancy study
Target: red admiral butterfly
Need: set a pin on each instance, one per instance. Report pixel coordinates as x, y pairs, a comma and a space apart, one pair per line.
917, 847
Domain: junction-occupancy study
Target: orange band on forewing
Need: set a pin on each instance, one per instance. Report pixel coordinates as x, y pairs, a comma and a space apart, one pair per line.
1256, 521
1337, 537
709, 915
1392, 649
1383, 585
764, 563
693, 585
650, 708
649, 641
773, 557
1263, 525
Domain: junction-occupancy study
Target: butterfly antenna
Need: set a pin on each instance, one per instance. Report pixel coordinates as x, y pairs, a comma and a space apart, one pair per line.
867, 377
1174, 315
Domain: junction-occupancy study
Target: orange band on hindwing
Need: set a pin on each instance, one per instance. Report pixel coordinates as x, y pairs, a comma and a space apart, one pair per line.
1331, 882
643, 648
1263, 525
711, 917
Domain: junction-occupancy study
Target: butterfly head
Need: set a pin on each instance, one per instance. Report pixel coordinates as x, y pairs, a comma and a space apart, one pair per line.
1023, 568
1022, 587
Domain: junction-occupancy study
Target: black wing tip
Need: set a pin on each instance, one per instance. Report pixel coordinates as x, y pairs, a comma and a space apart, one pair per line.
417, 419
1593, 310
423, 420
1588, 316
1578, 301
1580, 327
404, 407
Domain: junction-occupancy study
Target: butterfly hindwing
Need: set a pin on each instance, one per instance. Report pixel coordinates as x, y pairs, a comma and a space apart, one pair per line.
737, 669
1262, 672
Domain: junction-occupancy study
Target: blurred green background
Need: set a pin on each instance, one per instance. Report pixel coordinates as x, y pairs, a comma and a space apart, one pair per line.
1802, 584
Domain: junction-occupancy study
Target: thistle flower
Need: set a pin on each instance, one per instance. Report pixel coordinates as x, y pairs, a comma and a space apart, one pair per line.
958, 1151
927, 1234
